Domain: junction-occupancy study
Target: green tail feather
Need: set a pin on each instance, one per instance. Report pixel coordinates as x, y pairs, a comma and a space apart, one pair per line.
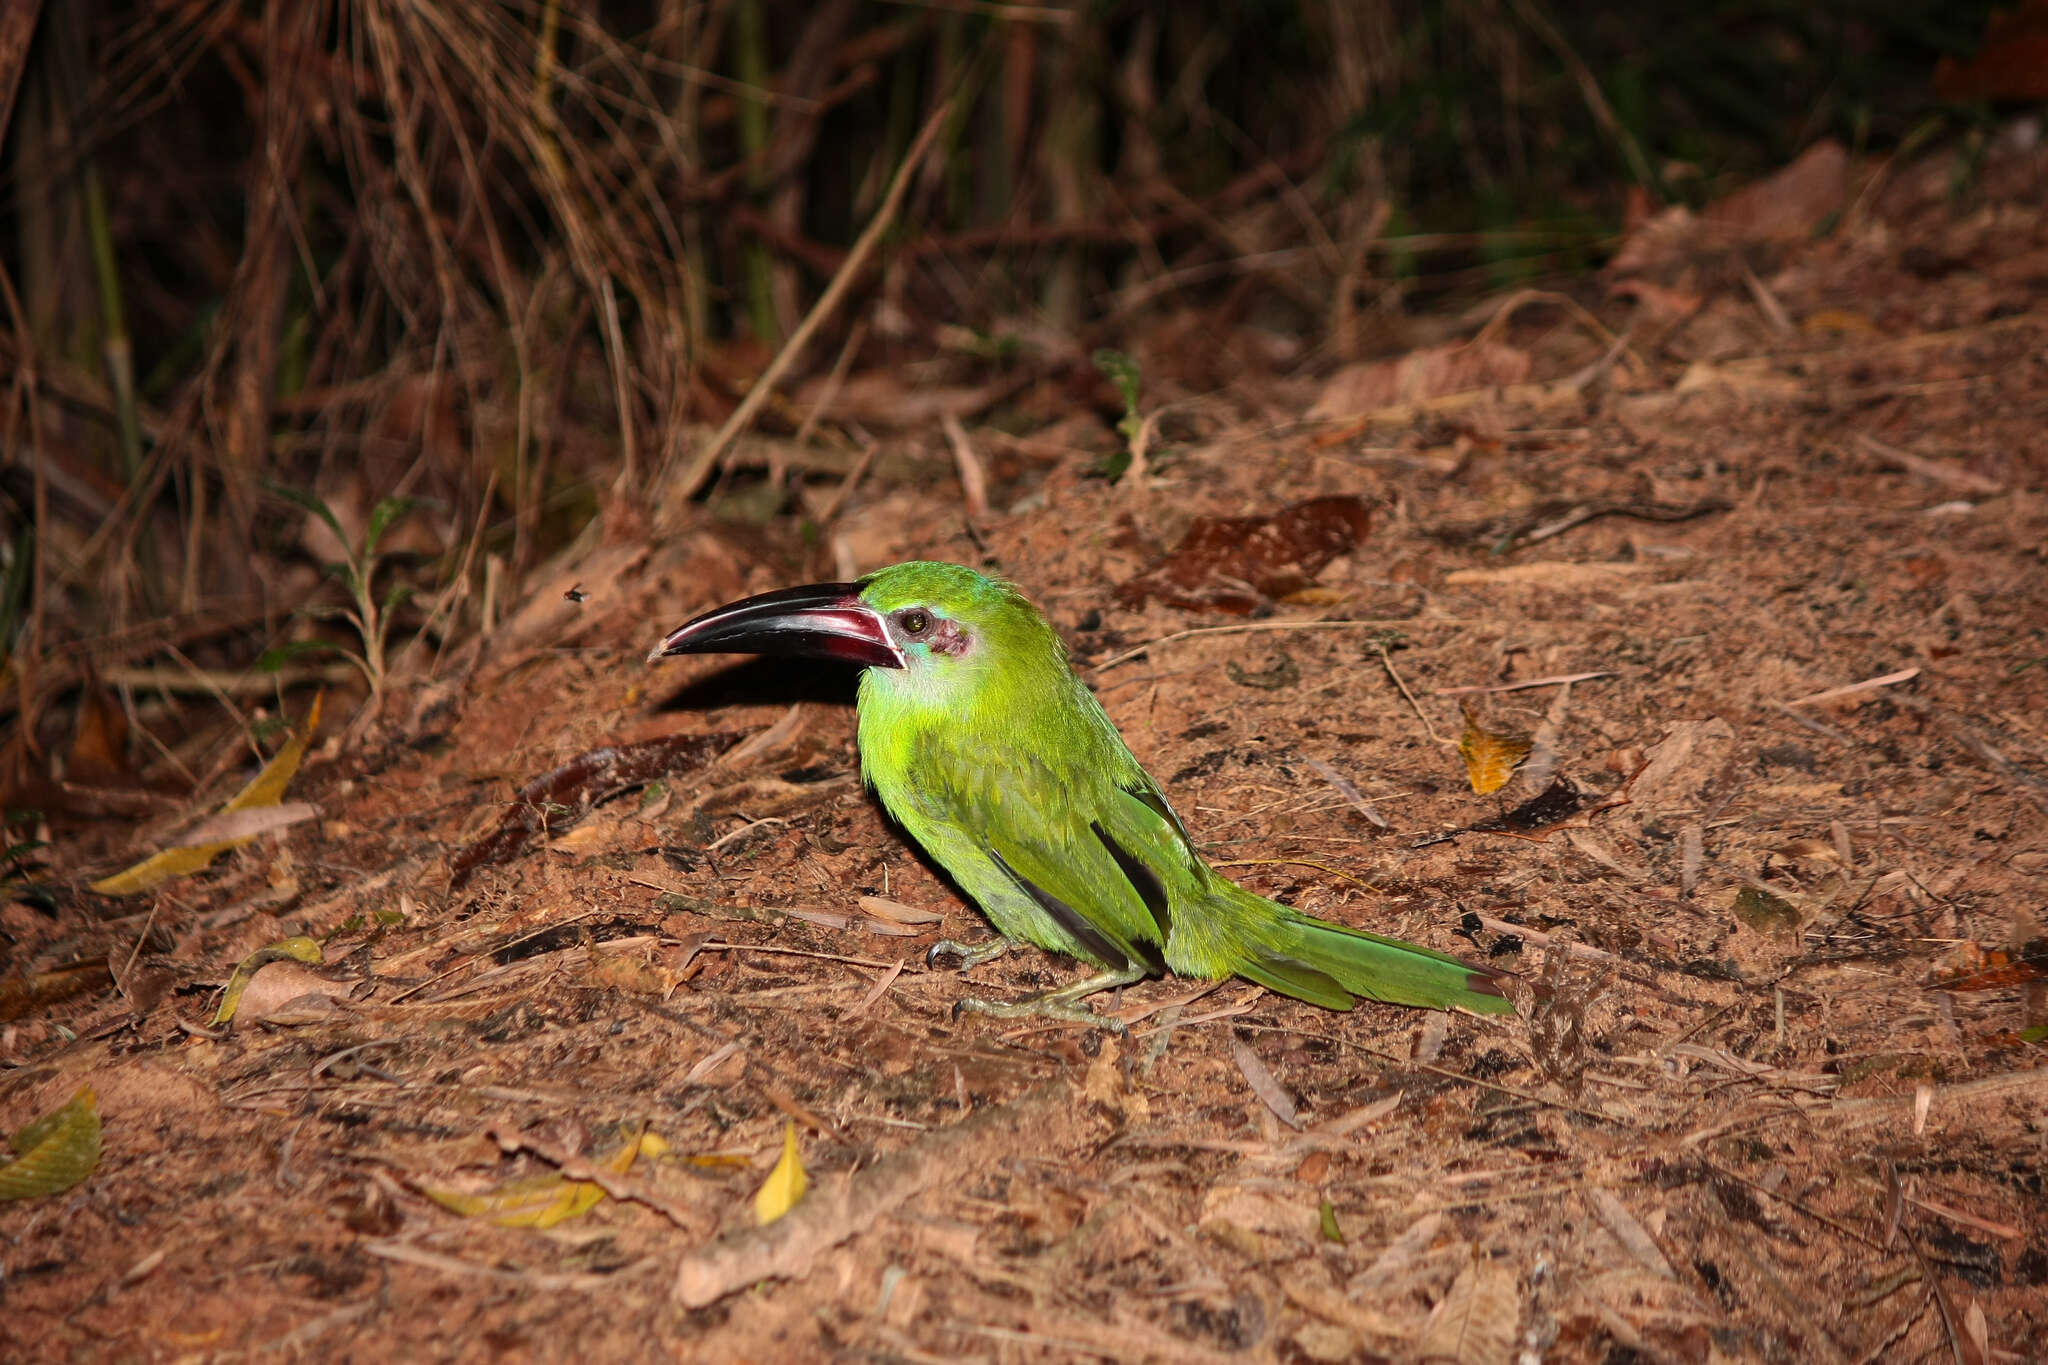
1329, 965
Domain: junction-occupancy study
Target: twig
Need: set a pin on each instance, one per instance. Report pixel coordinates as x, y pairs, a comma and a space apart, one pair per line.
1352, 796
1252, 627
1938, 470
973, 479
1554, 680
1767, 303
855, 335
525, 1279
1927, 1276
1857, 1112
1851, 689
1589, 89
848, 484
1394, 673
474, 958
828, 303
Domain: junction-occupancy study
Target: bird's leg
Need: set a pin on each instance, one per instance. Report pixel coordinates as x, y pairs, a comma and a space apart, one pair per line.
971, 955
1064, 1003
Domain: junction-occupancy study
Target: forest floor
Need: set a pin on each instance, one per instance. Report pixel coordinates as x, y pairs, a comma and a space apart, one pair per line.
1776, 499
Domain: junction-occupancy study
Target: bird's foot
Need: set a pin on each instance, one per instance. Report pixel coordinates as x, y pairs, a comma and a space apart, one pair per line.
1063, 1004
971, 955
1040, 1007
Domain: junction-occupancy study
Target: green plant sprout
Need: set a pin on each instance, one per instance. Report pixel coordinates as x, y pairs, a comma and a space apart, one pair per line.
358, 572
1136, 429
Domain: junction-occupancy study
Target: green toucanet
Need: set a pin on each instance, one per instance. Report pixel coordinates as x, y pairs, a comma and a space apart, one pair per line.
987, 748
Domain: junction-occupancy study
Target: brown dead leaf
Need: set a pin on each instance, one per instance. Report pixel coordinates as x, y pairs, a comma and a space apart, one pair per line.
21, 994
1420, 376
1394, 1265
1680, 767
896, 912
279, 992
1477, 1322
1788, 206
1237, 564
99, 744
2012, 64
1263, 1085
1631, 1233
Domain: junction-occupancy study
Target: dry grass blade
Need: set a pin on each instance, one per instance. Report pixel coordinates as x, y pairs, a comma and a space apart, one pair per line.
1263, 1085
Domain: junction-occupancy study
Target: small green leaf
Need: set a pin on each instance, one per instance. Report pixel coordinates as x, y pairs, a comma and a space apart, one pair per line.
1331, 1232
1121, 371
382, 516
274, 659
310, 502
1765, 912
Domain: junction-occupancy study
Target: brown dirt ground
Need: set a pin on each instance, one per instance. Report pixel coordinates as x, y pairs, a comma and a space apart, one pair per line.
1749, 1123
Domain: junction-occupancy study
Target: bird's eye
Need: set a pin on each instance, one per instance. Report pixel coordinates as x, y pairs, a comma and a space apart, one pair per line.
914, 622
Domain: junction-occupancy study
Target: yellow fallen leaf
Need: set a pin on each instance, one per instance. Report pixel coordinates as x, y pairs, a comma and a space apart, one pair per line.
265, 789
1490, 758
785, 1184
539, 1202
56, 1151
542, 1201
298, 948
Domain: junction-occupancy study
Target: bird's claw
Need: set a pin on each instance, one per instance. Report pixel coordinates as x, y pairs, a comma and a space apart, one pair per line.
970, 955
1040, 1007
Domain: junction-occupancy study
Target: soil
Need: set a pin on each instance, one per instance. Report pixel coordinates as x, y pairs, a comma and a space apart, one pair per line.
1778, 506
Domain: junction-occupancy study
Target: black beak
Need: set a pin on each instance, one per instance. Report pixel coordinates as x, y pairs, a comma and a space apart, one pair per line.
817, 621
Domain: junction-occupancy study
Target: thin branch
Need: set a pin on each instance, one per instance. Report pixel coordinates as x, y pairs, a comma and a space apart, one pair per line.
828, 303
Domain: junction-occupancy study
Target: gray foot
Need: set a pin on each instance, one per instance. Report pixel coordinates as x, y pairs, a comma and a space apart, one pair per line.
1063, 1004
971, 955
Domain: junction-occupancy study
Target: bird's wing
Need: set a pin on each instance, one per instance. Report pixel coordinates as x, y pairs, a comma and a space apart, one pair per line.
1056, 852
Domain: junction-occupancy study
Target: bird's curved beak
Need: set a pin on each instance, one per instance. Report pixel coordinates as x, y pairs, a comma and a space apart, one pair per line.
818, 621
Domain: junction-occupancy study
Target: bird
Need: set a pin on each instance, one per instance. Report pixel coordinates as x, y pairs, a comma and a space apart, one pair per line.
989, 751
